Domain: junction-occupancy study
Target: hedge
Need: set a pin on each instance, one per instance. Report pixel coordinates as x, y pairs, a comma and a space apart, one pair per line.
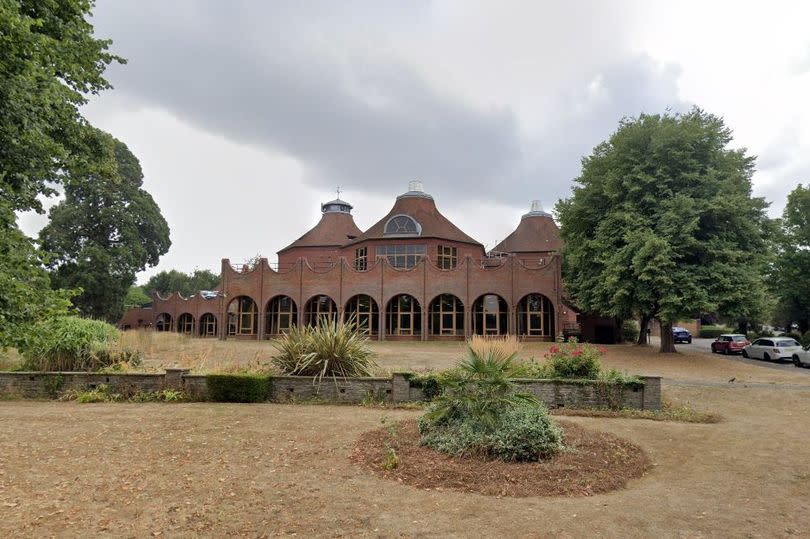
712, 332
238, 387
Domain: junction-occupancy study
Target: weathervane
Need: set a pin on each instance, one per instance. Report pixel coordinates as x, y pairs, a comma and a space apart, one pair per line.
338, 192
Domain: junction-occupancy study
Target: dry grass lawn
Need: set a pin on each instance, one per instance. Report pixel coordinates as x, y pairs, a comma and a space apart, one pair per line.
137, 470
270, 470
173, 350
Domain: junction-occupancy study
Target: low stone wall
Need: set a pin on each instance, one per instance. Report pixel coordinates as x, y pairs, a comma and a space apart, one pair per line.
397, 388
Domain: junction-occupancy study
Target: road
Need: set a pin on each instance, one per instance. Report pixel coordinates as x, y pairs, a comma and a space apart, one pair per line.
705, 346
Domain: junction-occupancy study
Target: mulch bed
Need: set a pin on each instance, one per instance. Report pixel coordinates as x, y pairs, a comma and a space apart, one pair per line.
595, 462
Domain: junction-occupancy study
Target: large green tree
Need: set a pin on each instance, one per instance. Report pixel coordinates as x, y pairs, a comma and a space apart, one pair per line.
662, 225
186, 284
49, 63
792, 268
106, 230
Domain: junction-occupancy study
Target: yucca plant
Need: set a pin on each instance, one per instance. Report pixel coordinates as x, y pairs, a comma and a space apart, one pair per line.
479, 412
480, 390
331, 348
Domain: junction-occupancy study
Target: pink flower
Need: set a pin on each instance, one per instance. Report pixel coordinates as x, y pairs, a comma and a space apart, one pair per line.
602, 350
554, 349
576, 353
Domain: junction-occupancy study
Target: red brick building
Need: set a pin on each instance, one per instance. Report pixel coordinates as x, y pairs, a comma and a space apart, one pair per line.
413, 275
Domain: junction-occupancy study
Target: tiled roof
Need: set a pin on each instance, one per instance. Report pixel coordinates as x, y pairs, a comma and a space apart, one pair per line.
423, 209
537, 232
333, 230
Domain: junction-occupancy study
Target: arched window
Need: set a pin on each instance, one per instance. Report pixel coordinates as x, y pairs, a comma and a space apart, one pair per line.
163, 322
282, 315
243, 316
446, 315
402, 225
318, 308
364, 311
208, 325
535, 316
185, 324
403, 316
490, 315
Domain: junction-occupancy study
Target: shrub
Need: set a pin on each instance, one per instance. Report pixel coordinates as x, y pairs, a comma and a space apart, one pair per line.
331, 348
571, 359
712, 332
238, 387
480, 413
806, 338
69, 343
630, 331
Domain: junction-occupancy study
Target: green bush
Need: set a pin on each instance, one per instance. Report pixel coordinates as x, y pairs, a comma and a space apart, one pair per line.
806, 338
573, 360
332, 348
480, 413
68, 343
630, 331
712, 332
238, 387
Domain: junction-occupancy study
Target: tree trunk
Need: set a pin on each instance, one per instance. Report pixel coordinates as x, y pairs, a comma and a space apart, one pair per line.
667, 342
643, 336
742, 327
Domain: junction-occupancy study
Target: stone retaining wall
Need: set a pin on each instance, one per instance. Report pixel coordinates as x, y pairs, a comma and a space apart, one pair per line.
397, 388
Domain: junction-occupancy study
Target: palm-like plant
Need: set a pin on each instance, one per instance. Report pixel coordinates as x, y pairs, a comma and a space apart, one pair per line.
481, 391
331, 348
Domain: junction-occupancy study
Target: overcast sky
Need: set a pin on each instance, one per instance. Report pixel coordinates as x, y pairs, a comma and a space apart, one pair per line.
246, 115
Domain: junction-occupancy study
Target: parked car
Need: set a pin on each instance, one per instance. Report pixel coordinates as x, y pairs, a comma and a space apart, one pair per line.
730, 343
681, 335
802, 357
772, 348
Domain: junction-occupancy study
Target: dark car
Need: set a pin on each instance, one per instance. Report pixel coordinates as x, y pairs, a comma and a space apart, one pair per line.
681, 335
730, 343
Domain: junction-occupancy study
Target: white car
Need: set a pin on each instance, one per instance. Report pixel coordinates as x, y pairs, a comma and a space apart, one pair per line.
802, 358
775, 348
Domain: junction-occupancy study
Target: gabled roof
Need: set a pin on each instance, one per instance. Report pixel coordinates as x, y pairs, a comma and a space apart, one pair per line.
421, 208
333, 230
537, 232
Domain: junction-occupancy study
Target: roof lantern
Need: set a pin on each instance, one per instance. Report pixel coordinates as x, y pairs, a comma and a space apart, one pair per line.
415, 189
536, 210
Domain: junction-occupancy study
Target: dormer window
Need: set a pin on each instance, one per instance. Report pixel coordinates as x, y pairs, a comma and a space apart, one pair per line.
402, 225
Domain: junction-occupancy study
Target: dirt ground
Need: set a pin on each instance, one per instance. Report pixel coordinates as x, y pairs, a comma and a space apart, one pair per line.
272, 469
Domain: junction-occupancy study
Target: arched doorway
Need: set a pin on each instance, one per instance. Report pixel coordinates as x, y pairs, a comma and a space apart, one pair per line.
446, 316
243, 317
319, 308
403, 316
208, 325
185, 324
535, 316
163, 322
364, 311
282, 315
490, 315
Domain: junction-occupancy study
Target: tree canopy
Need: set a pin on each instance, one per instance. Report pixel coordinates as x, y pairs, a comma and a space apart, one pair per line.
187, 284
106, 230
50, 62
792, 267
661, 224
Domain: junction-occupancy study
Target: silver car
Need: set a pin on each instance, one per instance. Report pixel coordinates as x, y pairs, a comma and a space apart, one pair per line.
775, 348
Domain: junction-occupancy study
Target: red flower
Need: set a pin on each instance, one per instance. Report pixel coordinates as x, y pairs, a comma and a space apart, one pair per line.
554, 349
602, 350
576, 353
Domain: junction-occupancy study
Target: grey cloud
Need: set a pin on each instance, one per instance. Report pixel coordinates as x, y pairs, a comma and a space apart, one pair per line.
273, 78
